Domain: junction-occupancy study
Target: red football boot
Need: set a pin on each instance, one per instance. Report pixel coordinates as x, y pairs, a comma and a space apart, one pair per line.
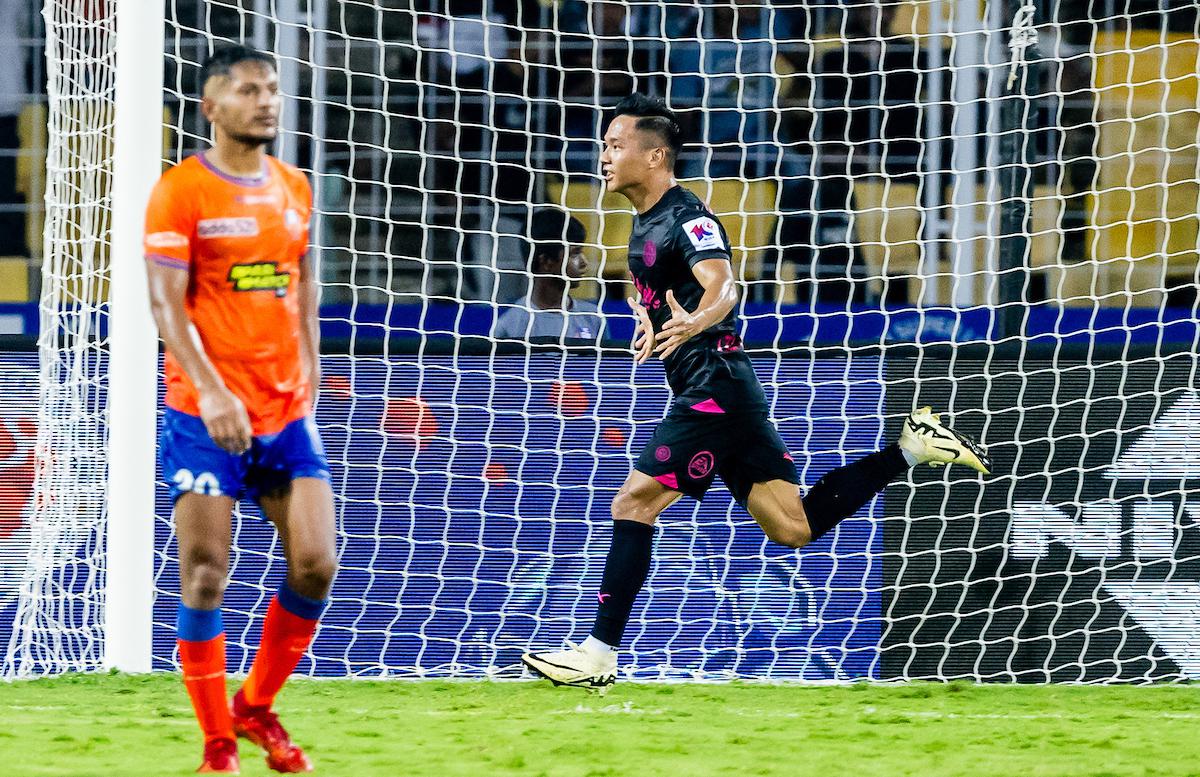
261, 726
220, 757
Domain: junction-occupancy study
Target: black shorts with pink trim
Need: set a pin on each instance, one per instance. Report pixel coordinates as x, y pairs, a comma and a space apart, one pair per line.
694, 444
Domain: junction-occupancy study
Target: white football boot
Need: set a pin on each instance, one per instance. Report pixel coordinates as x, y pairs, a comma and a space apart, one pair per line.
576, 667
931, 443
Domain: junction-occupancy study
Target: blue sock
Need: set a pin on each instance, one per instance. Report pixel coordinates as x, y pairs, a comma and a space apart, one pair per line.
192, 625
299, 605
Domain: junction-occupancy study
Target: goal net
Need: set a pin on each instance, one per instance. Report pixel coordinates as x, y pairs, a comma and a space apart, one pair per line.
986, 207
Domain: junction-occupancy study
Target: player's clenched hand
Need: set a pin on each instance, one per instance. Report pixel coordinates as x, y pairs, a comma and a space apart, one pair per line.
682, 326
226, 419
643, 332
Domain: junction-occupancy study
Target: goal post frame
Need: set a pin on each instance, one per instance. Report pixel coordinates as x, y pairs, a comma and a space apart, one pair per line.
133, 343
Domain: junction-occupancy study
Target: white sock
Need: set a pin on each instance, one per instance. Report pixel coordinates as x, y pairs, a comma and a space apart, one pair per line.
596, 647
911, 459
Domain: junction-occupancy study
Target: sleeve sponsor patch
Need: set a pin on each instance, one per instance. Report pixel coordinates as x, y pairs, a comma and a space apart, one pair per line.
704, 233
166, 240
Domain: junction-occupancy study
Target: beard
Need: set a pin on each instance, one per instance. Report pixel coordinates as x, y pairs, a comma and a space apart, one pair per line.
253, 140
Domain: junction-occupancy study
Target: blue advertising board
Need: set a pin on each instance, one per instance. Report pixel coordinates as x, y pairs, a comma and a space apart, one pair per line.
473, 511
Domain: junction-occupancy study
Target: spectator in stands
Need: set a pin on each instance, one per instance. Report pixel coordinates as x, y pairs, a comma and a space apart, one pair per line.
471, 69
857, 114
722, 57
556, 265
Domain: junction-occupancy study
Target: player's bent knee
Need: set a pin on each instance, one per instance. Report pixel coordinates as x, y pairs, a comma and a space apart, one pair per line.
795, 535
203, 583
311, 574
622, 503
627, 505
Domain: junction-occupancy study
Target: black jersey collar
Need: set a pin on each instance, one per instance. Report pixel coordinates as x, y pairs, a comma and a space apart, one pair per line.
664, 202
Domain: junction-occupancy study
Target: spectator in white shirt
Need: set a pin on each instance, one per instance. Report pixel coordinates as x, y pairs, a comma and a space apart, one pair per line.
556, 265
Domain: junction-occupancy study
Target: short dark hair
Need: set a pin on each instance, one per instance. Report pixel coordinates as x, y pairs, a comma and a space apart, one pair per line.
226, 55
550, 229
654, 116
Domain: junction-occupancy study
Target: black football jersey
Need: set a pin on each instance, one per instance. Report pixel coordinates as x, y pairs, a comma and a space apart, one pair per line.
666, 242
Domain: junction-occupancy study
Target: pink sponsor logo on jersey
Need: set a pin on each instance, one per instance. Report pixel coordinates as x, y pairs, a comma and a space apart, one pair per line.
649, 298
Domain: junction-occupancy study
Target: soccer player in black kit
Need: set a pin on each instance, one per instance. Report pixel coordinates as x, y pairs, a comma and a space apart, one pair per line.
718, 424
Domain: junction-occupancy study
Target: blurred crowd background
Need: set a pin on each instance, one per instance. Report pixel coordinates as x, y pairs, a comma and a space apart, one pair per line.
828, 135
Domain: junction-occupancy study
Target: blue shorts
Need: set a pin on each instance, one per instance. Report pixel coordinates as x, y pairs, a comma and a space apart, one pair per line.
193, 463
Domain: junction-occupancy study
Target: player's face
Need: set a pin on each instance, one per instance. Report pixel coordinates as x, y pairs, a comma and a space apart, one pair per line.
245, 103
628, 155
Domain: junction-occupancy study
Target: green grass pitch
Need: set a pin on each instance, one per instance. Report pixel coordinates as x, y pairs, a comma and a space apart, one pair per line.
107, 725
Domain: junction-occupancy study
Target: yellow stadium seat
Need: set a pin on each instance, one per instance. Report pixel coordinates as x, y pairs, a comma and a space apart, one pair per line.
886, 225
747, 209
914, 18
14, 279
1063, 281
607, 218
1145, 207
31, 171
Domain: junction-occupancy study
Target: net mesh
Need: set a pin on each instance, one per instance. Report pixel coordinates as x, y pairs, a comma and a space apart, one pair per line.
56, 625
975, 206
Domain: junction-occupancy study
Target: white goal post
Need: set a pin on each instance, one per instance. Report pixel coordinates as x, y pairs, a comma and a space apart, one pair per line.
133, 346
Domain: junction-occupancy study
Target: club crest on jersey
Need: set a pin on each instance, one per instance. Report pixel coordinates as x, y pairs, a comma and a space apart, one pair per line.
649, 253
703, 233
291, 220
259, 276
246, 226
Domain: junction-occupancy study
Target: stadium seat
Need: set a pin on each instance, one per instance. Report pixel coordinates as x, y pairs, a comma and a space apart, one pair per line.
14, 279
748, 210
31, 171
886, 225
1067, 282
608, 219
1143, 209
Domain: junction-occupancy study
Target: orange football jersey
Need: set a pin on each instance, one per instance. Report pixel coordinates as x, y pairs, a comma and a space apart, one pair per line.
242, 241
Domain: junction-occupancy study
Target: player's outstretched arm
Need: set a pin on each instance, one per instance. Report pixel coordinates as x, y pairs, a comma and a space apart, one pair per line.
643, 332
223, 414
720, 295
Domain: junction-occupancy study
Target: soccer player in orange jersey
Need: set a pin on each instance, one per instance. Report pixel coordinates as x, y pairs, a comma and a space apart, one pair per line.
235, 299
